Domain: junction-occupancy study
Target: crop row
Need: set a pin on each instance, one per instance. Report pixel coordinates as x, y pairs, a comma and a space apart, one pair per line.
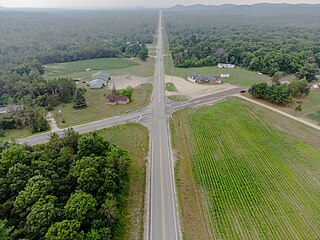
257, 185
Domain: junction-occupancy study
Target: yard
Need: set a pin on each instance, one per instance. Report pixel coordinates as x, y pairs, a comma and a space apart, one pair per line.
245, 173
98, 109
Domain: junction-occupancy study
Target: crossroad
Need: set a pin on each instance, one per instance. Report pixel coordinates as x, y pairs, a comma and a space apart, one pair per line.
162, 220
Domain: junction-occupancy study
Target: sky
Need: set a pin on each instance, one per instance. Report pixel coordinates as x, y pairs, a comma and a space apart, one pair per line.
131, 3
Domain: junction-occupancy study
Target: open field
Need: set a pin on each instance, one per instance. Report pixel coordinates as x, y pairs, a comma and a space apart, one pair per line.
135, 139
258, 173
114, 66
98, 109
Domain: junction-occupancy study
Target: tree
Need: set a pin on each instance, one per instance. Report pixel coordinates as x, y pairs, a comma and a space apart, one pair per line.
298, 88
298, 108
65, 230
126, 92
308, 71
80, 205
43, 214
18, 176
259, 90
143, 53
276, 77
79, 100
109, 209
37, 187
92, 145
39, 123
13, 155
279, 94
5, 230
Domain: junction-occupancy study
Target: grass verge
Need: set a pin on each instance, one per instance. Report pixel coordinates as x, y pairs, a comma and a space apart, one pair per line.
178, 98
170, 87
135, 139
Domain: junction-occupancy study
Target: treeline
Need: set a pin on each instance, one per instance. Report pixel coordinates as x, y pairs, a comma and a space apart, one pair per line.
64, 36
73, 187
268, 44
280, 94
28, 96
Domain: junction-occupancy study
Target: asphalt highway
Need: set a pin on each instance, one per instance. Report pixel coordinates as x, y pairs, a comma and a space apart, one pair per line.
163, 222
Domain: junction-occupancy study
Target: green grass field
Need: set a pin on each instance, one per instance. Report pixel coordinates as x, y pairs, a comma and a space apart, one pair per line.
170, 87
114, 66
178, 98
98, 109
258, 183
135, 139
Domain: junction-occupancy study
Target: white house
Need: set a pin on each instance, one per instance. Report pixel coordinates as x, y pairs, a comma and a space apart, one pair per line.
225, 75
226, 65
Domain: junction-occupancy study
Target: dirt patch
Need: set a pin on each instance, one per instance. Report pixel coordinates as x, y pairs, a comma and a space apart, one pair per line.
122, 82
194, 90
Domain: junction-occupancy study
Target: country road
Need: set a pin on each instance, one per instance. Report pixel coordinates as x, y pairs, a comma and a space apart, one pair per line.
163, 221
162, 213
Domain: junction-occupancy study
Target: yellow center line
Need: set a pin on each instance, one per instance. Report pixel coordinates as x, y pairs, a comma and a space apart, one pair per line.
161, 183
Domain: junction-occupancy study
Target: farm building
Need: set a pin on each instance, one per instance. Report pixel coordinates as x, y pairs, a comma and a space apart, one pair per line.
113, 99
225, 75
226, 65
198, 78
99, 80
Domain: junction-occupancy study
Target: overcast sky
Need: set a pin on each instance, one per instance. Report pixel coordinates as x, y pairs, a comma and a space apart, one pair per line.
143, 3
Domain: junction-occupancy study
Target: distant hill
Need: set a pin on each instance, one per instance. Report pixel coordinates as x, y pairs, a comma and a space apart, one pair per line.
255, 9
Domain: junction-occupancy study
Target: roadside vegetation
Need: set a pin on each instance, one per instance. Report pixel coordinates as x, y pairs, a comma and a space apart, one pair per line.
178, 98
73, 187
70, 199
170, 87
257, 175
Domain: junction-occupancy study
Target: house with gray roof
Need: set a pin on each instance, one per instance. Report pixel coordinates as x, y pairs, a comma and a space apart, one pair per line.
99, 80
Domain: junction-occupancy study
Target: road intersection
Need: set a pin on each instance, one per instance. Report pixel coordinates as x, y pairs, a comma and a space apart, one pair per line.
162, 220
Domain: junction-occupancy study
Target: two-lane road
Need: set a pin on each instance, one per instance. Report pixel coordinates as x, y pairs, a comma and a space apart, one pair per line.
163, 215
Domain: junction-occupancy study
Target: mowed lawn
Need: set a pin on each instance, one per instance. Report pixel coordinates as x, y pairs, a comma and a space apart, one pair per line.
257, 182
114, 66
98, 109
135, 139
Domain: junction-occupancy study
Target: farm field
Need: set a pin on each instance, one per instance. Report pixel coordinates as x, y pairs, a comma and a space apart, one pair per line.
114, 66
135, 139
98, 109
253, 177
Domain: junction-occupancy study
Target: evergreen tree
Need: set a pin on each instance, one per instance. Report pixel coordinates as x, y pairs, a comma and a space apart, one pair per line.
79, 100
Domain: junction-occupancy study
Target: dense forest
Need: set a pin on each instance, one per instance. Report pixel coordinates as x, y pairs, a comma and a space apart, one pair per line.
30, 39
64, 36
275, 41
73, 187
